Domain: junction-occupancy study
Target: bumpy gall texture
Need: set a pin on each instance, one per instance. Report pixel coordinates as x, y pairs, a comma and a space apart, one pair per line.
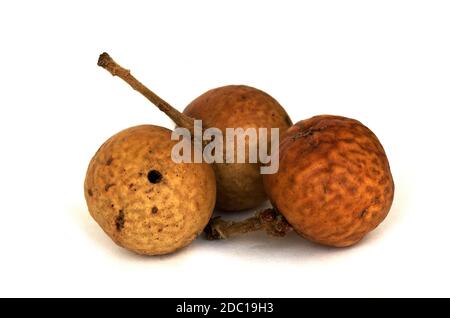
239, 185
142, 199
334, 184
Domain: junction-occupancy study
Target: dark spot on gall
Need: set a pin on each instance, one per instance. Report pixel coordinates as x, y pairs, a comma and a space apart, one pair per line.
362, 213
109, 161
154, 176
90, 193
109, 185
154, 210
120, 220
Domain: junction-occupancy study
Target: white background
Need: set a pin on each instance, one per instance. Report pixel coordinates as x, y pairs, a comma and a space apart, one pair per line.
386, 63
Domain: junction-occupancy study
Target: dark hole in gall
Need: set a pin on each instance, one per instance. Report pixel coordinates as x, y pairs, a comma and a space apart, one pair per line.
154, 176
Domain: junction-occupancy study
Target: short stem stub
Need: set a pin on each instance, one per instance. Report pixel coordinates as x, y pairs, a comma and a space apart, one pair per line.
115, 69
269, 220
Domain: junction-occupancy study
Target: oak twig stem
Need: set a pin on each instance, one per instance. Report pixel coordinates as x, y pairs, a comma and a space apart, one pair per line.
269, 220
115, 69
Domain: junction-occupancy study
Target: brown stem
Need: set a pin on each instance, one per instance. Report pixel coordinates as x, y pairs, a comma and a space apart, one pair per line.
269, 220
115, 69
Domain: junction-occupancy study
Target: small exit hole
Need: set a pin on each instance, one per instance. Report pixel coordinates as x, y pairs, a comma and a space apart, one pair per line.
154, 176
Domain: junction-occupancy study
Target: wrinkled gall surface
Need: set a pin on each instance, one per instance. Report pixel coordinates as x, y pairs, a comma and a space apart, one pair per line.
141, 198
334, 184
239, 185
